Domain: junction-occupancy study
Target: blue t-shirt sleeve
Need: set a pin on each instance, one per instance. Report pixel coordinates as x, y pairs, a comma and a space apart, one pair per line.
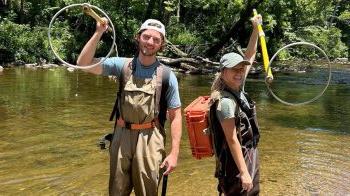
226, 109
113, 66
172, 94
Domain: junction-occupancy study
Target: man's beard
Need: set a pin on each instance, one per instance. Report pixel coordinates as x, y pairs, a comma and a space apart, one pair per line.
146, 52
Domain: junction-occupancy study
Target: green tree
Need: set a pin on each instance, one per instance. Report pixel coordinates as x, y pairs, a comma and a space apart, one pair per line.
200, 27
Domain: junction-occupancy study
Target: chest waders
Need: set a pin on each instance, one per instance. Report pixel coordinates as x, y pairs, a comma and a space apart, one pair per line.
162, 74
248, 136
137, 147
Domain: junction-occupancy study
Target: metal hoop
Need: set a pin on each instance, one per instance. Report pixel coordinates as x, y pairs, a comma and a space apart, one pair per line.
76, 66
317, 96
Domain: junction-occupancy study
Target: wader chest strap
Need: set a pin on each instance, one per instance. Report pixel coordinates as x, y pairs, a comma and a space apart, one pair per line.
159, 79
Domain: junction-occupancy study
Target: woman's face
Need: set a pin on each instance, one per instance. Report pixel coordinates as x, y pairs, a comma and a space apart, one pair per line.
235, 76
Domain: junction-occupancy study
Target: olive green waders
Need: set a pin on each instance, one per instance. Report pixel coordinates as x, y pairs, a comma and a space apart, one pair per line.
136, 155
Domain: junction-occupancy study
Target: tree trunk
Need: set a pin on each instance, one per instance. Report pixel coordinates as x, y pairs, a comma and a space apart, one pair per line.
149, 10
126, 14
21, 12
161, 10
117, 4
3, 3
236, 31
191, 65
178, 11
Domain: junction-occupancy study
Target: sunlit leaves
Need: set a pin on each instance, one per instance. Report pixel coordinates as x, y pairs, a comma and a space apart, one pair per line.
202, 22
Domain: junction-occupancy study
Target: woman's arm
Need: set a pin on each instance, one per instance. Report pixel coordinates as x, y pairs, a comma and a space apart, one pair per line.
253, 42
229, 128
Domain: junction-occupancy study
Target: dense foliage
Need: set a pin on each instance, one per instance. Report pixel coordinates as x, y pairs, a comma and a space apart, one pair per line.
199, 27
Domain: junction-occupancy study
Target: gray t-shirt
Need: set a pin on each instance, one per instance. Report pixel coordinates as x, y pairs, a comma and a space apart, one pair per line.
114, 66
227, 107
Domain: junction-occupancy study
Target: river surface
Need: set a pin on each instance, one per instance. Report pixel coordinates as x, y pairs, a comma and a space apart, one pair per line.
51, 120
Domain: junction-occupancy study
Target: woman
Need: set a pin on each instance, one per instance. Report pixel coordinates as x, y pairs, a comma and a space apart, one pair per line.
234, 126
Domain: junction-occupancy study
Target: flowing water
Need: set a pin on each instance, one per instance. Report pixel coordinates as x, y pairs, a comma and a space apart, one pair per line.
51, 120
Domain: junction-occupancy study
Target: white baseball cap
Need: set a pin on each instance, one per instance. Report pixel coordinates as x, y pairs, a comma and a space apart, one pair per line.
153, 24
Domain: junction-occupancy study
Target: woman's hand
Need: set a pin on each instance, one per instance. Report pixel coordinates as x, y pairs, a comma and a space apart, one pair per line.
256, 20
247, 182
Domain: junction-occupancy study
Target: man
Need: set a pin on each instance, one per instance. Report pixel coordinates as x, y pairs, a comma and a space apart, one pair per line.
137, 149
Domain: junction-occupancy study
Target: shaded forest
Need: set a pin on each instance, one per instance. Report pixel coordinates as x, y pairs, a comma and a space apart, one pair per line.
198, 31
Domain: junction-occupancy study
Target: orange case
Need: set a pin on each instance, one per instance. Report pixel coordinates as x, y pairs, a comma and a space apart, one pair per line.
197, 126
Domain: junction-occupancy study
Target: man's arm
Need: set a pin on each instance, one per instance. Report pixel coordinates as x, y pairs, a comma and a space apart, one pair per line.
176, 130
86, 56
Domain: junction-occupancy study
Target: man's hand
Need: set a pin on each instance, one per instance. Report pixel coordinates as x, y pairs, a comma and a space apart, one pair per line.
102, 27
170, 163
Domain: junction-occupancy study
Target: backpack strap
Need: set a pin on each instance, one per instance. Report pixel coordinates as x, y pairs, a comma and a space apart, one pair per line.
215, 128
238, 122
250, 111
164, 86
242, 104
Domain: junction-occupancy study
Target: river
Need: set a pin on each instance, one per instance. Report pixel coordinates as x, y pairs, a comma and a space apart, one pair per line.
51, 120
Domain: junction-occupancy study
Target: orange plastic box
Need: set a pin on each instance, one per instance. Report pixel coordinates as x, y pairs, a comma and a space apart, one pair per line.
197, 126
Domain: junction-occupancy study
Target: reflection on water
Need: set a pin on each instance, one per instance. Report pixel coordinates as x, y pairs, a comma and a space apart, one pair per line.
49, 137
301, 87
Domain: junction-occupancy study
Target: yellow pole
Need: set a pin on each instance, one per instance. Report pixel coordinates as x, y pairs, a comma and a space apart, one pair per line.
265, 55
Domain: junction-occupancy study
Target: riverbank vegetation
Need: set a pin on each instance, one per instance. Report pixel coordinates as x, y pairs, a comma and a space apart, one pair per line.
199, 31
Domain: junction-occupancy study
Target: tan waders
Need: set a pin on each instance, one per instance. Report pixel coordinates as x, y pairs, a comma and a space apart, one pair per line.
136, 154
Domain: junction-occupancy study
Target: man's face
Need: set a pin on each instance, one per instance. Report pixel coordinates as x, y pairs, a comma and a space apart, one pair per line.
150, 42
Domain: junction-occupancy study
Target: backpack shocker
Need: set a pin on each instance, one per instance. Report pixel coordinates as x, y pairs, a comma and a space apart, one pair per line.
197, 126
205, 132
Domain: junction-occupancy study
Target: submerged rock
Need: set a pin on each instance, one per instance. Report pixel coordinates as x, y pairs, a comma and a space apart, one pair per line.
343, 60
30, 65
70, 69
49, 65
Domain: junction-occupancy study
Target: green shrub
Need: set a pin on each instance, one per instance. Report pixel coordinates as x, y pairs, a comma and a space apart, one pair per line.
327, 39
29, 45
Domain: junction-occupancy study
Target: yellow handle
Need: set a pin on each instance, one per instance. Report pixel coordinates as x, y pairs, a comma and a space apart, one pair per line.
265, 55
87, 10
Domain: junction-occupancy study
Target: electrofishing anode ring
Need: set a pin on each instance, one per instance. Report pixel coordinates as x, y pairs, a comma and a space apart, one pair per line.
328, 65
267, 64
88, 9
